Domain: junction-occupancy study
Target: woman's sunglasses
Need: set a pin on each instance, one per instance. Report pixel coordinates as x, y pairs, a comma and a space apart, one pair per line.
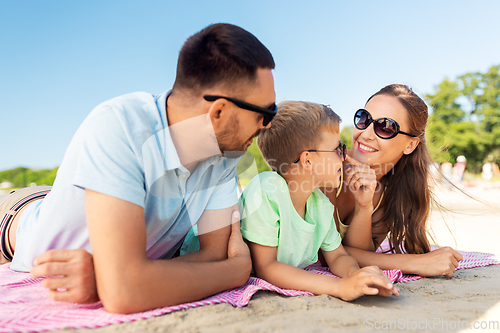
385, 128
340, 150
268, 113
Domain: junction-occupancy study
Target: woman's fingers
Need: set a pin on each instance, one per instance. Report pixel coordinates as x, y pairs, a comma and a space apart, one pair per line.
353, 171
352, 161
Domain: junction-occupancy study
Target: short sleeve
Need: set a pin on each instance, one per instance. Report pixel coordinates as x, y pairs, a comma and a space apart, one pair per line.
107, 162
332, 240
259, 214
225, 193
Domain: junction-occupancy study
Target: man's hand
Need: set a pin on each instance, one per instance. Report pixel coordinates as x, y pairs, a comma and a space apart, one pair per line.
69, 275
237, 247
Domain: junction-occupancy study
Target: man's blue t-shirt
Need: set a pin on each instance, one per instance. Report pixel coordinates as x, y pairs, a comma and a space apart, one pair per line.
124, 149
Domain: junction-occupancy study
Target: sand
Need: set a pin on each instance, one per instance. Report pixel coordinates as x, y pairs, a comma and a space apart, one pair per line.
471, 297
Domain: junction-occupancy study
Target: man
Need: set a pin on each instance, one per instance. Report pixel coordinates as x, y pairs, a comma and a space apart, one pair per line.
139, 172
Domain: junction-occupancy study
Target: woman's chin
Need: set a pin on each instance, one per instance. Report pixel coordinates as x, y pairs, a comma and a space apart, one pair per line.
367, 158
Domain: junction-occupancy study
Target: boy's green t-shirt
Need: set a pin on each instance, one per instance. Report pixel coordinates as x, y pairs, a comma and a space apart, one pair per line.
269, 218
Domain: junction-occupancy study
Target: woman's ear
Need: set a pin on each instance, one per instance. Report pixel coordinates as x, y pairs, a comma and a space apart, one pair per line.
412, 145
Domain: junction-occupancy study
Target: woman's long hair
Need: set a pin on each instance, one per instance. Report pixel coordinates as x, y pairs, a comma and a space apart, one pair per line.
407, 198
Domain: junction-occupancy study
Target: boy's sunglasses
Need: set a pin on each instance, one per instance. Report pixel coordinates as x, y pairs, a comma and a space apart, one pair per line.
268, 113
385, 128
340, 150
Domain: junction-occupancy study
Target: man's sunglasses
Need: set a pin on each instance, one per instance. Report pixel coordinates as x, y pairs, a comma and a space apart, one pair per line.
268, 113
385, 128
340, 150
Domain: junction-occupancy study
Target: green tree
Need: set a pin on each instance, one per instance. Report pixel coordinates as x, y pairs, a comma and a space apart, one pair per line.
22, 177
346, 136
465, 118
259, 160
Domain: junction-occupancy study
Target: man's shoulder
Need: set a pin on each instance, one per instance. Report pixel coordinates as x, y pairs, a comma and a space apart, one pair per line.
131, 101
135, 111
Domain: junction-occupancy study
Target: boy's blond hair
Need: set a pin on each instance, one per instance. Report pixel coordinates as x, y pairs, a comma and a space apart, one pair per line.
297, 127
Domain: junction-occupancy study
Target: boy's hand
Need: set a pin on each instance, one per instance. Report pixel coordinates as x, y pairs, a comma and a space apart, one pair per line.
362, 181
72, 270
368, 280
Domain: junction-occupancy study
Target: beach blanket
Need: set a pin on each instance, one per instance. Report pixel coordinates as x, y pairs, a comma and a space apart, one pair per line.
26, 307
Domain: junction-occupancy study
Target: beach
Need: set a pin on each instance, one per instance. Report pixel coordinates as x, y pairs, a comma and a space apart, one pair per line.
470, 299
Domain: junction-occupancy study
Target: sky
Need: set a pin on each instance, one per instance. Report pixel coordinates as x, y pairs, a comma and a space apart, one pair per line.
59, 59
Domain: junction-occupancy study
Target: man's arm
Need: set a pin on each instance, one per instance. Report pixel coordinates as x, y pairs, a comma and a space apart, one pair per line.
213, 234
73, 270
127, 281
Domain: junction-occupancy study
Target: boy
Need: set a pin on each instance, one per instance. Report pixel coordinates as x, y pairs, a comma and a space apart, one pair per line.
286, 219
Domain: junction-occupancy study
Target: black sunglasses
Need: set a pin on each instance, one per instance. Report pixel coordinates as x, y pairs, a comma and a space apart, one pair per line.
340, 150
385, 128
268, 113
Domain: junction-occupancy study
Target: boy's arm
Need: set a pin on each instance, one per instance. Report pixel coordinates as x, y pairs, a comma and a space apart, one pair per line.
127, 281
266, 266
340, 262
367, 281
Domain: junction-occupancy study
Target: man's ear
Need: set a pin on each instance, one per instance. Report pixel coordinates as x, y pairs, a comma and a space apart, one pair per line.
412, 145
217, 110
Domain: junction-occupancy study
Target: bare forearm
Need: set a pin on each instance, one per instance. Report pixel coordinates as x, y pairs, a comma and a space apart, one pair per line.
359, 233
383, 261
159, 283
201, 256
343, 266
290, 277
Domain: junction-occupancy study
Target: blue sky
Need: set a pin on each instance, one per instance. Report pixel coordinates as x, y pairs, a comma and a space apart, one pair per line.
60, 59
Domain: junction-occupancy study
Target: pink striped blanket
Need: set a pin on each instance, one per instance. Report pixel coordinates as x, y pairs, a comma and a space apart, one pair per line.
26, 307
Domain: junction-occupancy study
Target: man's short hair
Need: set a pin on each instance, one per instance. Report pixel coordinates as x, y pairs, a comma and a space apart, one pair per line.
220, 54
297, 127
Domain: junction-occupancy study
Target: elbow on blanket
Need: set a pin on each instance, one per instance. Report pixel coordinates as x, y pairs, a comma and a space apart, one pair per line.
122, 305
120, 296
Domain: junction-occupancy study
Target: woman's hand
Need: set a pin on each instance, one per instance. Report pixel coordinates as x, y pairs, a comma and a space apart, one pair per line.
443, 261
368, 280
362, 182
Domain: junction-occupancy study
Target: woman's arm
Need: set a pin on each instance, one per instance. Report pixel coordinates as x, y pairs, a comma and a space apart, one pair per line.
443, 261
361, 182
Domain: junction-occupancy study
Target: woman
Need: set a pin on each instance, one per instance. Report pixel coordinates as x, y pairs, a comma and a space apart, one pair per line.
386, 187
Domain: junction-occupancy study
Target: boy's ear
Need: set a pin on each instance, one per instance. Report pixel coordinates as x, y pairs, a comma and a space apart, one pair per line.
412, 145
305, 160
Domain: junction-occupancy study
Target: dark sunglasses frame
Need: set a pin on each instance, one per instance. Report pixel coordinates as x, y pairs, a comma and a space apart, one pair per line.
379, 122
268, 113
343, 150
